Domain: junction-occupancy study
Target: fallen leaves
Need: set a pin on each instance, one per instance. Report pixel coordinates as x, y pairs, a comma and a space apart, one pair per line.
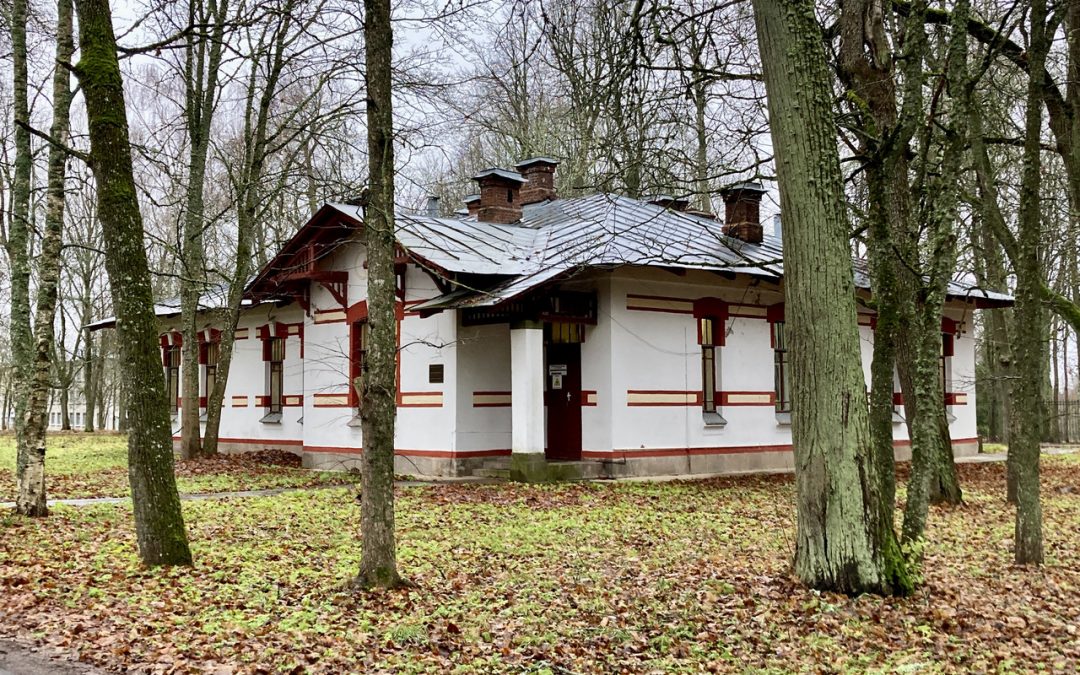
690, 576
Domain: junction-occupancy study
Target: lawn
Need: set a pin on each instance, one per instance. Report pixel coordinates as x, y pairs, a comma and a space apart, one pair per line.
583, 578
95, 465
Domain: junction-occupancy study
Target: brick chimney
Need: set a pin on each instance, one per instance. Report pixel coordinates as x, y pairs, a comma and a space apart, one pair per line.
539, 174
472, 203
742, 213
500, 196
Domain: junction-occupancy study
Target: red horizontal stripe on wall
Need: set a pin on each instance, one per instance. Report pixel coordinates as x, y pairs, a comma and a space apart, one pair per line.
726, 450
261, 441
437, 454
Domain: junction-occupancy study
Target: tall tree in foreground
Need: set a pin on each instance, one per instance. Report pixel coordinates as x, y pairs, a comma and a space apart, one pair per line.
378, 560
1029, 335
159, 524
17, 242
31, 497
845, 539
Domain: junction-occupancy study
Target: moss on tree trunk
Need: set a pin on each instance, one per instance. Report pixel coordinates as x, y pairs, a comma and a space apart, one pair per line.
845, 540
159, 524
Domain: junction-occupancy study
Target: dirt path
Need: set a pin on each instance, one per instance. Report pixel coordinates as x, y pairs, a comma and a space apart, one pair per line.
18, 659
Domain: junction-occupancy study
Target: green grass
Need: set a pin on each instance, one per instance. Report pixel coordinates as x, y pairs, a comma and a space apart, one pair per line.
674, 577
81, 465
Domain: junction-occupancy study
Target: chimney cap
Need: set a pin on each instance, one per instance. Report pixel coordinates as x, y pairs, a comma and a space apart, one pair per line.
744, 186
471, 198
533, 161
669, 202
500, 173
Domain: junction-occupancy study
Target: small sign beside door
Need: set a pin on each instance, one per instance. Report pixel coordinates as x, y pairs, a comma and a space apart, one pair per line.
557, 369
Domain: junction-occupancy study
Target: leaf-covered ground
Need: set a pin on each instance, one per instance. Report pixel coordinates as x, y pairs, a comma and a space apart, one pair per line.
675, 577
81, 465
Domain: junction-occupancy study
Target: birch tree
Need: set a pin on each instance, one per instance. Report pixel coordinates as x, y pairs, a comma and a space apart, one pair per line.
17, 241
845, 540
31, 496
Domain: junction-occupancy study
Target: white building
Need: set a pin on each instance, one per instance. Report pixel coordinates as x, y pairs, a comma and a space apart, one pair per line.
595, 336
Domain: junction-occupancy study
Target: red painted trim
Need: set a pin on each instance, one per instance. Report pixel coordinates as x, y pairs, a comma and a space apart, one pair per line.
585, 393
725, 450
438, 454
260, 441
262, 401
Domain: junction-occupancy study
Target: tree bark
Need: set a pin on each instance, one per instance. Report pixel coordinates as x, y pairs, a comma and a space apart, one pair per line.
378, 560
203, 62
1029, 343
845, 540
159, 523
31, 496
17, 243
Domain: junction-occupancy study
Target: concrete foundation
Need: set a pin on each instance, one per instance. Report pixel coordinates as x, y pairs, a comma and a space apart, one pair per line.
534, 468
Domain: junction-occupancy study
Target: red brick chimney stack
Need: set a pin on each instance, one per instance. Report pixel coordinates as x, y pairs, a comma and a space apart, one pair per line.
742, 214
472, 203
500, 196
539, 174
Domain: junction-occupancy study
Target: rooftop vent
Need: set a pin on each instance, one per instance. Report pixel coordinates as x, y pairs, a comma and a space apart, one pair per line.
742, 213
669, 202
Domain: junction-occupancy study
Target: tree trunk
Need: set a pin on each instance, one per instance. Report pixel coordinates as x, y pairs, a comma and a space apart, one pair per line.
378, 559
1030, 338
202, 64
159, 523
31, 497
845, 541
18, 239
65, 406
89, 379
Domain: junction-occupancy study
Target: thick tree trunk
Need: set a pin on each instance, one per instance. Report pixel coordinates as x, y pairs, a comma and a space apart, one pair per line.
1029, 343
159, 523
378, 561
65, 406
18, 238
845, 541
31, 496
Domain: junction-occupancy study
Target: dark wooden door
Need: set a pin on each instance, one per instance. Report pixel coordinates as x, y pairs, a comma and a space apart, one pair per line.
564, 401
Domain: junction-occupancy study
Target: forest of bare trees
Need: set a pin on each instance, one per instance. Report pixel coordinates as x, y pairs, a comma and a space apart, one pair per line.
936, 140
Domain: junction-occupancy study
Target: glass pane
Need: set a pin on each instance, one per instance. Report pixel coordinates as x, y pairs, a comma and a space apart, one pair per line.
708, 379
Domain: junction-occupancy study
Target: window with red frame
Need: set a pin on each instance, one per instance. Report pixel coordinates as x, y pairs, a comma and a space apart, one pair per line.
358, 343
172, 376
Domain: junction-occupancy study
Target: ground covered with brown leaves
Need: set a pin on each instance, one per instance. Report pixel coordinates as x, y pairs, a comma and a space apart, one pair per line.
79, 466
684, 577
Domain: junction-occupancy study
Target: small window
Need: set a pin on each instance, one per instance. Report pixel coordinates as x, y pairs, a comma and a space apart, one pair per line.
275, 374
782, 374
946, 352
509, 196
172, 376
564, 333
707, 339
358, 342
435, 373
213, 353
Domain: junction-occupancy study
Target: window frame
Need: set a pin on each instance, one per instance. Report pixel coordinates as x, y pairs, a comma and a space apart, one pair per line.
211, 357
359, 338
171, 360
710, 317
275, 374
781, 368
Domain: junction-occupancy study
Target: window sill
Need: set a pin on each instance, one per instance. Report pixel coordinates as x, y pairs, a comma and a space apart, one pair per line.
949, 416
897, 419
783, 419
355, 422
713, 420
271, 418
